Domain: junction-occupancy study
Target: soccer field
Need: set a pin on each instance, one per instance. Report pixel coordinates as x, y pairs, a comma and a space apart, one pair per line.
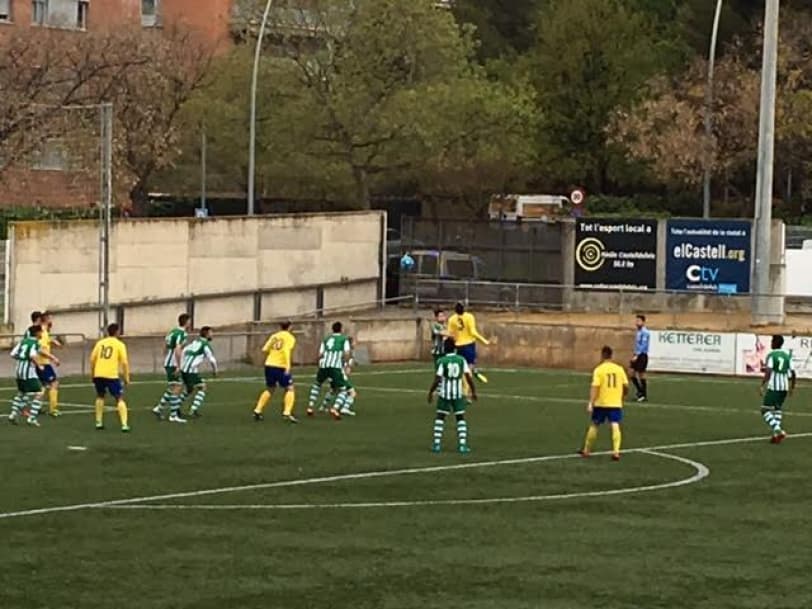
702, 511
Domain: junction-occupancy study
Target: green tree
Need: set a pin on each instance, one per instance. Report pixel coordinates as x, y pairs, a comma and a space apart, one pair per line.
592, 57
386, 92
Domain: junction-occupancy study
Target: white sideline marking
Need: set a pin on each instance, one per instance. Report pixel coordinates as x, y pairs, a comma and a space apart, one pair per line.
239, 379
564, 400
701, 471
366, 475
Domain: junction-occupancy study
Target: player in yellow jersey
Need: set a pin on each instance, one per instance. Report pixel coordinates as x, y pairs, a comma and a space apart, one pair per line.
462, 328
109, 362
47, 362
609, 389
279, 349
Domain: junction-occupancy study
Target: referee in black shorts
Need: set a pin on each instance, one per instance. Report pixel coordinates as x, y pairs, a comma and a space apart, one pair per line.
640, 360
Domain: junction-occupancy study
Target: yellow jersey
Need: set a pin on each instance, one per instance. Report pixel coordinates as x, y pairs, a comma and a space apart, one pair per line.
462, 329
279, 348
109, 359
44, 347
611, 381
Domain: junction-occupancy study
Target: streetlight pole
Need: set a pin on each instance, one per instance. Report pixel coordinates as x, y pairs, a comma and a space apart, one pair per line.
763, 311
252, 138
706, 187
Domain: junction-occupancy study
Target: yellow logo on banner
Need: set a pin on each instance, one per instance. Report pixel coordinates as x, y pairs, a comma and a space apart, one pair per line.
589, 254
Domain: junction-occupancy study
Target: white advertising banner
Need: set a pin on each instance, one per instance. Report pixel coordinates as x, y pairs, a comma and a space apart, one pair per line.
692, 352
752, 350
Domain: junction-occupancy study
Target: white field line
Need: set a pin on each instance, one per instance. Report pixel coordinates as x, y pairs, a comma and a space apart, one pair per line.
644, 406
701, 471
365, 476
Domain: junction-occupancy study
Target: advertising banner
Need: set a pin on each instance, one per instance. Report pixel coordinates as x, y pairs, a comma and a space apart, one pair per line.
752, 350
708, 256
616, 254
692, 352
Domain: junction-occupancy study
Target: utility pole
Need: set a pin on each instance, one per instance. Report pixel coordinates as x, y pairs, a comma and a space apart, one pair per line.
765, 310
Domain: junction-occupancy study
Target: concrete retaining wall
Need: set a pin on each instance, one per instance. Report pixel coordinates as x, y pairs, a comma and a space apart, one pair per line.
225, 264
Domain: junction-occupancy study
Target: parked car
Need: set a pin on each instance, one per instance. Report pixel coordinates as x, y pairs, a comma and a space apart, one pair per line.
434, 265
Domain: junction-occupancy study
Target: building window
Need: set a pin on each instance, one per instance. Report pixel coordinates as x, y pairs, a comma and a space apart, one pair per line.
39, 12
5, 11
52, 156
149, 13
82, 11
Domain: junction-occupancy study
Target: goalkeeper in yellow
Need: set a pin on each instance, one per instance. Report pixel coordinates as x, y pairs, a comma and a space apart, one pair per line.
279, 349
609, 389
462, 328
108, 361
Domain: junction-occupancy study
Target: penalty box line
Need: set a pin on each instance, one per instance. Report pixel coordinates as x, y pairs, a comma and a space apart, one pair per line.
366, 476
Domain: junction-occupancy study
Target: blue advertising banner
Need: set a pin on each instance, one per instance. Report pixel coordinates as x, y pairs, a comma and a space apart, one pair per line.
708, 256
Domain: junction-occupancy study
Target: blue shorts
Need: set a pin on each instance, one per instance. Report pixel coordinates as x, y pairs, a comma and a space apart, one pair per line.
601, 415
111, 386
277, 377
47, 374
468, 353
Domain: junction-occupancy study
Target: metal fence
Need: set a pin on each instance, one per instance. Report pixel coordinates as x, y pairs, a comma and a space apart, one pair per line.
508, 251
515, 296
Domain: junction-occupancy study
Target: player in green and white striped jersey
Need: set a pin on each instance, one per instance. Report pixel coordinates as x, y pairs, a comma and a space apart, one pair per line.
778, 383
29, 388
173, 396
194, 354
334, 352
452, 369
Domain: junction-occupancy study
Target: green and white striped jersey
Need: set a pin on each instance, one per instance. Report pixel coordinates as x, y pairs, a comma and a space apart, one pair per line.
24, 353
451, 369
176, 337
194, 354
333, 350
779, 363
437, 338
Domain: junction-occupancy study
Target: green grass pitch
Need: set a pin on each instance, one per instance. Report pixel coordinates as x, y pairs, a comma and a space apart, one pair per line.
692, 521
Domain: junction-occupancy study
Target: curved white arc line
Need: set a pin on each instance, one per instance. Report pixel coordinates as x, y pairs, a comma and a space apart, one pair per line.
701, 472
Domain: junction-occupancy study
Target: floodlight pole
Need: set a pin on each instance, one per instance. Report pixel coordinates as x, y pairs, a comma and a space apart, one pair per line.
105, 211
706, 186
252, 137
763, 312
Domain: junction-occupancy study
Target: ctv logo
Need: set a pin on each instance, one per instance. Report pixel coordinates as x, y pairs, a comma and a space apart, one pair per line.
701, 274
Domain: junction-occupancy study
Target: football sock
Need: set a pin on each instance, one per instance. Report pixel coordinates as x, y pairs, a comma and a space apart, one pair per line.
462, 432
99, 411
637, 385
340, 401
123, 415
36, 405
329, 399
315, 391
591, 436
348, 401
644, 388
777, 417
166, 398
262, 402
289, 401
769, 418
200, 397
183, 395
617, 436
17, 404
53, 399
174, 404
439, 424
